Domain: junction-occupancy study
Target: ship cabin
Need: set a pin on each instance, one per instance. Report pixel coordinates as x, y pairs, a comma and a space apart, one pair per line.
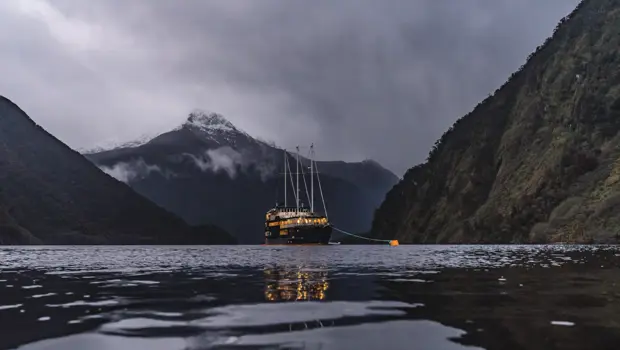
285, 216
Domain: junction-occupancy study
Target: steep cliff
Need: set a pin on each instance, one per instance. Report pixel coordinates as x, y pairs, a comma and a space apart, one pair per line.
537, 161
52, 194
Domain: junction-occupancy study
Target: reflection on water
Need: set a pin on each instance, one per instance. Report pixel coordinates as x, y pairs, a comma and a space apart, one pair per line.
335, 297
288, 284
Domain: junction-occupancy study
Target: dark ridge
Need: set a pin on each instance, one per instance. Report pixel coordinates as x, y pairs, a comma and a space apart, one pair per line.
51, 194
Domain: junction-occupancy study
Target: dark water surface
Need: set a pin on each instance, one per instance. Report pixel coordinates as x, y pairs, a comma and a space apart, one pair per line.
332, 297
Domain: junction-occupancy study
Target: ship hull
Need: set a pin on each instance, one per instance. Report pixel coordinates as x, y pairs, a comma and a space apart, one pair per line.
303, 235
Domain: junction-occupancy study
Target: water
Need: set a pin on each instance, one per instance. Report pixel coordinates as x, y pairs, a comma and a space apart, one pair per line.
333, 297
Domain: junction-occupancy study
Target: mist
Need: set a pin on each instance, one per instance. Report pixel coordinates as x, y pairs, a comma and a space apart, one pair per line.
226, 159
129, 171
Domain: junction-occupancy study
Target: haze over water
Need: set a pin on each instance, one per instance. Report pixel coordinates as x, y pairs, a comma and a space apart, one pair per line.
331, 297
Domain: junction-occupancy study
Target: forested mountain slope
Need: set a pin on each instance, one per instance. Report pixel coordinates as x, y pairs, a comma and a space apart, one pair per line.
538, 161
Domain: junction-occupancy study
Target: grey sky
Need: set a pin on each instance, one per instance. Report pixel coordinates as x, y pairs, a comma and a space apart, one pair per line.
360, 78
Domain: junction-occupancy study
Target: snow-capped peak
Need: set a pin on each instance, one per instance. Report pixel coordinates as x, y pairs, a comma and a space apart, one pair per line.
214, 127
209, 121
208, 124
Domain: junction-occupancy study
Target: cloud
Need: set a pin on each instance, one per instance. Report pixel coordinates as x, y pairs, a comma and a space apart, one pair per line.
129, 171
225, 159
359, 78
222, 159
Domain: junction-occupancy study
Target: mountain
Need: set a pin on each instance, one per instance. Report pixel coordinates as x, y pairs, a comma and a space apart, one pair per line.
538, 161
53, 195
208, 170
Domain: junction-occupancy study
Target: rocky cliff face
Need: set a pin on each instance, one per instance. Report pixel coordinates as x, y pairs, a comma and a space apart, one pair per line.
51, 194
538, 161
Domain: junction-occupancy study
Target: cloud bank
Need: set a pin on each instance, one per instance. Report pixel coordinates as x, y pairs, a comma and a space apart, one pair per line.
359, 78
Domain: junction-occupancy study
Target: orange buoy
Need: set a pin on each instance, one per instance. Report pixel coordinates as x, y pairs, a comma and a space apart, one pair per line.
394, 243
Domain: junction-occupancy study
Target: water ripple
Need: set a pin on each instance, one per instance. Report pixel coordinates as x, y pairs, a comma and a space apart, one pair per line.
336, 297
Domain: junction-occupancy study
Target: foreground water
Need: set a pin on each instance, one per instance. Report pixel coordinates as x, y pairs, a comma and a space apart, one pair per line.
332, 297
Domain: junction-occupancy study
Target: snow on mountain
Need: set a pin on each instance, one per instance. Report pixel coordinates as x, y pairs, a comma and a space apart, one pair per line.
209, 122
115, 144
213, 126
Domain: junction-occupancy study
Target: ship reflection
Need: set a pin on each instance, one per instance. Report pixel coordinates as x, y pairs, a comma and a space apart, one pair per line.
295, 284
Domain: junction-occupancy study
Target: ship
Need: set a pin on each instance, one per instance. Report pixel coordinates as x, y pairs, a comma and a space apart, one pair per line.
298, 224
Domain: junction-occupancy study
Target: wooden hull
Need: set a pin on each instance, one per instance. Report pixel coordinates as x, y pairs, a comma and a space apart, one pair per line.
302, 235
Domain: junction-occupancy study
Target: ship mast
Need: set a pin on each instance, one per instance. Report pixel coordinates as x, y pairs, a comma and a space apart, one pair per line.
297, 173
285, 164
295, 182
312, 178
318, 179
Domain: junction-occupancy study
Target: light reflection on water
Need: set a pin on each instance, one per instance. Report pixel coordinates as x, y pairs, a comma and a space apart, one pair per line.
334, 297
294, 285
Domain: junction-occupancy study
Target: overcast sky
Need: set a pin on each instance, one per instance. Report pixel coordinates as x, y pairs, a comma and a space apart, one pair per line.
360, 78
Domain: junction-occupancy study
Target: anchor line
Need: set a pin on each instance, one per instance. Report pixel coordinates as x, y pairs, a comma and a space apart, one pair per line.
367, 238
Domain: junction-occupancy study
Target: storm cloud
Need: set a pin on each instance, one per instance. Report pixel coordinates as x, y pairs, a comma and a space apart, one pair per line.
360, 78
